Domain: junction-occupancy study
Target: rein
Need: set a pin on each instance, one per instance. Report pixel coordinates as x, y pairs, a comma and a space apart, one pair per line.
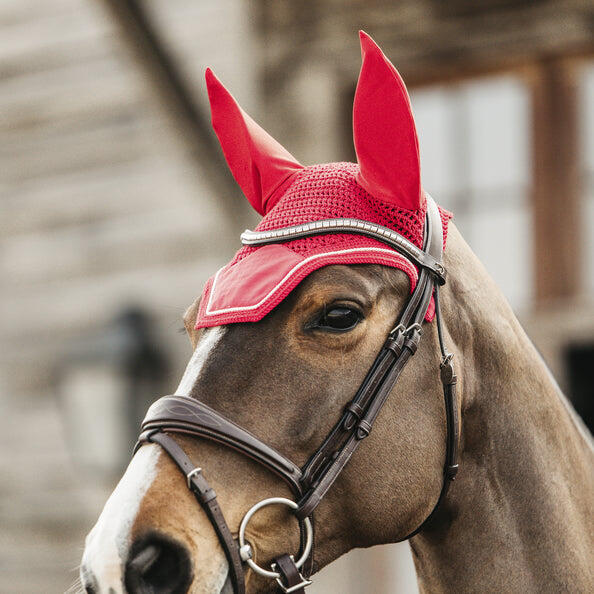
309, 485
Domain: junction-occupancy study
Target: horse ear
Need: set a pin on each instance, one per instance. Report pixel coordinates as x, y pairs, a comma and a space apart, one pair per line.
258, 162
384, 131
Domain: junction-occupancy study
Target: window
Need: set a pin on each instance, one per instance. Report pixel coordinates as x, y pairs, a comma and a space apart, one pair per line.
586, 114
475, 160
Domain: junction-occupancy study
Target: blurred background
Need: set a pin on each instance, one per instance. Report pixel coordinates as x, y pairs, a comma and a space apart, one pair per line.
116, 207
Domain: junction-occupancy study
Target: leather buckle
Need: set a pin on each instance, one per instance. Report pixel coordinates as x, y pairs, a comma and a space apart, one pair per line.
191, 475
413, 337
304, 583
363, 429
448, 376
451, 471
396, 331
288, 589
354, 412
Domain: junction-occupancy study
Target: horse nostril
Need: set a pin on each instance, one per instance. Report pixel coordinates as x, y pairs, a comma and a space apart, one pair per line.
158, 565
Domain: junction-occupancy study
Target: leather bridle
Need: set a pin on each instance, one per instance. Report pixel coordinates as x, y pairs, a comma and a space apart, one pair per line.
182, 414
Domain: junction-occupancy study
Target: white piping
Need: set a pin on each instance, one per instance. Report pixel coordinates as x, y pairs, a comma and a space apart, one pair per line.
210, 312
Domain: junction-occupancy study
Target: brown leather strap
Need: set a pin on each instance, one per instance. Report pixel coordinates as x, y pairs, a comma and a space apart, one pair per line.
290, 579
324, 467
449, 381
181, 414
207, 498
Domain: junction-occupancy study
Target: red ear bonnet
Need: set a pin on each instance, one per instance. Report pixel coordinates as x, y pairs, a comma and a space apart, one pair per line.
384, 189
384, 132
258, 162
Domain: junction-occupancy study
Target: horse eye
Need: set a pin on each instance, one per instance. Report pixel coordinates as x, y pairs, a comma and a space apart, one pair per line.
339, 319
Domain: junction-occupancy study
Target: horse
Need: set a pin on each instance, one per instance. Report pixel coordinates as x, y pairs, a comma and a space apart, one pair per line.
517, 517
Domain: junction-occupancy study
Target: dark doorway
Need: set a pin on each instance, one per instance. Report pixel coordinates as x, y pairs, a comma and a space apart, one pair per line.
579, 360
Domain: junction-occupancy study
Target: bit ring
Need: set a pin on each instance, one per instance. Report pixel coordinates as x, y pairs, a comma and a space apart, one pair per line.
243, 544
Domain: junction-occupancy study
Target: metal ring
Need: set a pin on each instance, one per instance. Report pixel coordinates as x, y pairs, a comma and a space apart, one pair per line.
308, 534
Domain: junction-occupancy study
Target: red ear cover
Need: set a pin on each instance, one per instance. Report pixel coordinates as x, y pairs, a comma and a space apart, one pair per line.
384, 132
258, 163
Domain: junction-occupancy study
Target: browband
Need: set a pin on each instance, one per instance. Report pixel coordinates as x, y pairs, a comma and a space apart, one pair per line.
352, 227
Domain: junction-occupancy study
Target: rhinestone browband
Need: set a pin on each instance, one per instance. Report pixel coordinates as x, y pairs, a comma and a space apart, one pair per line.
349, 226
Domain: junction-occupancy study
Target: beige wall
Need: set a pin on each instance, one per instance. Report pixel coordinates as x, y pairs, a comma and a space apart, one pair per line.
101, 206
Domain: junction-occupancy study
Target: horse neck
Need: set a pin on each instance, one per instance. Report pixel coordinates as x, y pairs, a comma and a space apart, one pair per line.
518, 515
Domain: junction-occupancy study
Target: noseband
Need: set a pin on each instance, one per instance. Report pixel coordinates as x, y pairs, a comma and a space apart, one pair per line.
181, 414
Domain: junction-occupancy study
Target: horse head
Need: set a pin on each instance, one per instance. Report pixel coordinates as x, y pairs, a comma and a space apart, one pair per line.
300, 340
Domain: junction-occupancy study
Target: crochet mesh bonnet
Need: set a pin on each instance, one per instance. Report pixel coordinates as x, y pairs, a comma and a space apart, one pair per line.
383, 187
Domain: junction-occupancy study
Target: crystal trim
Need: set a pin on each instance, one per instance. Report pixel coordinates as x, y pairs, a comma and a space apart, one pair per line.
356, 226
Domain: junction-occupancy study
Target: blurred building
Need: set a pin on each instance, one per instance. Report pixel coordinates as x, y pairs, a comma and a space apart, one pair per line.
115, 199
